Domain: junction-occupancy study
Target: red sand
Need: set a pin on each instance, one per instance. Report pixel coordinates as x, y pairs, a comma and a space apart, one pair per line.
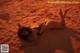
29, 12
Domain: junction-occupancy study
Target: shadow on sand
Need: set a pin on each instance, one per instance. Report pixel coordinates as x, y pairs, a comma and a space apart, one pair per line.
54, 39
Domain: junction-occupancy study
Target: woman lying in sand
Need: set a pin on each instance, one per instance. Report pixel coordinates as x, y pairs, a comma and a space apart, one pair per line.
31, 34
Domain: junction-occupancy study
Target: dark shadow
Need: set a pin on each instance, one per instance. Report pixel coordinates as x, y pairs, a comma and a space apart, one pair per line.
52, 40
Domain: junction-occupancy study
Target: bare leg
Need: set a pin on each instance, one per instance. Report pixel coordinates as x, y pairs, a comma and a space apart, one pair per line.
63, 16
57, 26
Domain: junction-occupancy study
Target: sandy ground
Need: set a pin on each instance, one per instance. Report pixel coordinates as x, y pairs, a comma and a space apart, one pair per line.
27, 13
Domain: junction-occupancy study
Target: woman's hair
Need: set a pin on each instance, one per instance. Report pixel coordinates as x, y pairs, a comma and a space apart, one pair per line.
24, 33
